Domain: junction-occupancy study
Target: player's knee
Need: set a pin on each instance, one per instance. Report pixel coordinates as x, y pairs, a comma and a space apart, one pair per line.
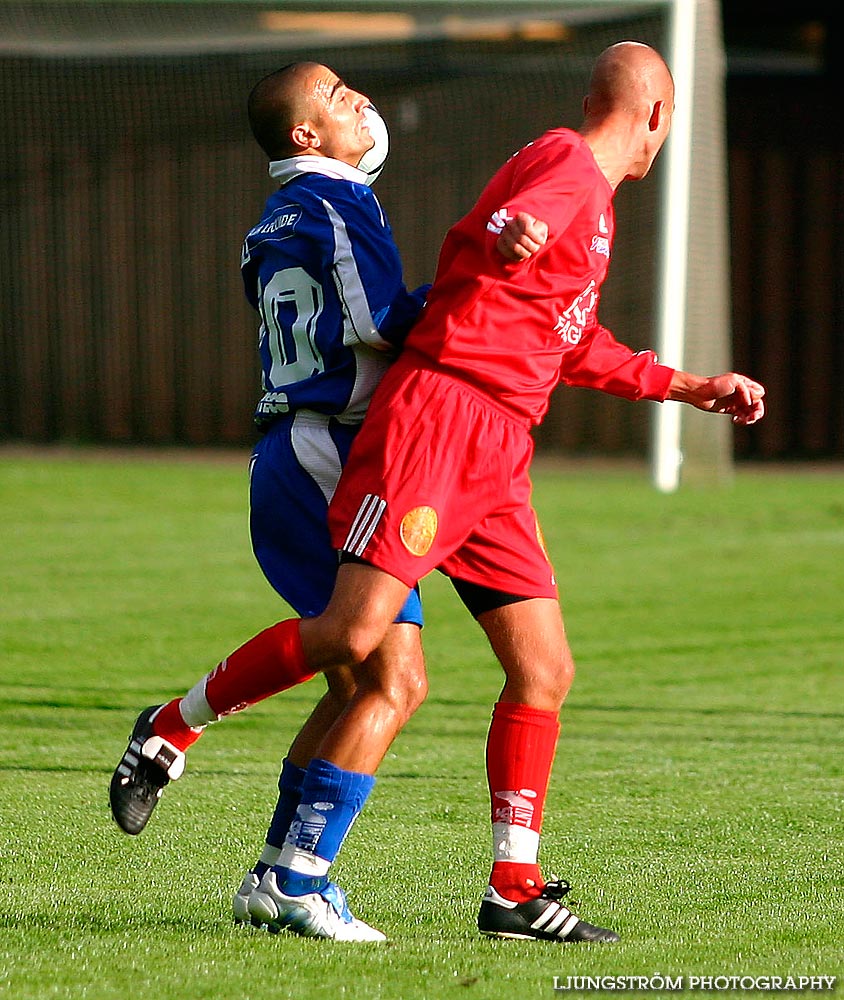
563, 678
414, 688
396, 671
405, 693
403, 683
559, 675
545, 685
408, 672
359, 643
335, 651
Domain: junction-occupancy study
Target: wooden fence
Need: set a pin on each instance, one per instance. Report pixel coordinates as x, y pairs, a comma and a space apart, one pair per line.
122, 317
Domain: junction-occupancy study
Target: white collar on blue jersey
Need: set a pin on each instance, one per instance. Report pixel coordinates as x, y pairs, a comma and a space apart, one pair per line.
286, 170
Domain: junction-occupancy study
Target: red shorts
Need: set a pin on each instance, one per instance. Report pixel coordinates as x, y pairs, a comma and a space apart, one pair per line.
437, 478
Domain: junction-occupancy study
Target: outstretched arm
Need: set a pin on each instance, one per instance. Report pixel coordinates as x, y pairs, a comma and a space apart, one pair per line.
734, 394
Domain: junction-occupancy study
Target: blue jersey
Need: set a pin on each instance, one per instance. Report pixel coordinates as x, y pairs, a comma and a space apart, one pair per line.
323, 271
324, 274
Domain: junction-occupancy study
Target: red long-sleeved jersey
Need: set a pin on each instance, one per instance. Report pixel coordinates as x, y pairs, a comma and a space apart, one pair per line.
515, 330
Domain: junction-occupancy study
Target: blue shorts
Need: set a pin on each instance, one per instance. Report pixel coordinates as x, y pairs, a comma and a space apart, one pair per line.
292, 476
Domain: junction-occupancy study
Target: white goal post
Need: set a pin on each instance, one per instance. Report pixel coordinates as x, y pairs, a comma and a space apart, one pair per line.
693, 323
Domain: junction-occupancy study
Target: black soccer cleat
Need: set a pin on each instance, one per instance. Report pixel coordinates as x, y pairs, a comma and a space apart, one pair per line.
543, 918
148, 764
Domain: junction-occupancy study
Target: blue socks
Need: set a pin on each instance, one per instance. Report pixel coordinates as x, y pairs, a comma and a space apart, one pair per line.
331, 801
290, 783
314, 813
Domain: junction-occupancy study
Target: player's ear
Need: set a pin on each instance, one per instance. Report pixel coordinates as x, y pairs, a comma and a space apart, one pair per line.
657, 112
304, 136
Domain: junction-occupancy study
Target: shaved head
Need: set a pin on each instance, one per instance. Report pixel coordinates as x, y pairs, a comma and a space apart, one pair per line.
628, 77
278, 102
628, 110
305, 108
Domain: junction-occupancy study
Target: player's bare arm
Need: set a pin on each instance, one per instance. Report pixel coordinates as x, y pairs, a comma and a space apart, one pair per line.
733, 394
521, 237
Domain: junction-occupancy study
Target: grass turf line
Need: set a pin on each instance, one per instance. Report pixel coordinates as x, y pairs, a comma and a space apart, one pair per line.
696, 799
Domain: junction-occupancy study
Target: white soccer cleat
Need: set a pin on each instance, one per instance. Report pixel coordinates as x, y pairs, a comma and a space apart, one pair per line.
240, 900
321, 912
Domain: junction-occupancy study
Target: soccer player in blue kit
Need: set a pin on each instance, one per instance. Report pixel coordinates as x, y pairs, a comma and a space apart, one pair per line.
323, 271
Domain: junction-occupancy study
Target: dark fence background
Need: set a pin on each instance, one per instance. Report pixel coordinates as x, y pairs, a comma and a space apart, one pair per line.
126, 193
787, 222
129, 184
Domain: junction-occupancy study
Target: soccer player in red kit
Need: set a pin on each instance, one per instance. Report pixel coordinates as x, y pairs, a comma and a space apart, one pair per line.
438, 477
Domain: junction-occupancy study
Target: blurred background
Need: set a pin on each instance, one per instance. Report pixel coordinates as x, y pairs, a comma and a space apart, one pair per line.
129, 178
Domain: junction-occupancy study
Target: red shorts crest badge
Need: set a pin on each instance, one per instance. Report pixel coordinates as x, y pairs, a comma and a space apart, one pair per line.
418, 530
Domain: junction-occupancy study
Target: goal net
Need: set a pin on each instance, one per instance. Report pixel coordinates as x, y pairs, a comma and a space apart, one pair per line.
129, 178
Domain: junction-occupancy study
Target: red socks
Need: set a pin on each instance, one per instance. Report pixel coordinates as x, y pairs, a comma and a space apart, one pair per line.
270, 662
516, 882
170, 725
521, 745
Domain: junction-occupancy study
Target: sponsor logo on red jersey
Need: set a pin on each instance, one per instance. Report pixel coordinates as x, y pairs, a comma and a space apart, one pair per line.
572, 321
498, 220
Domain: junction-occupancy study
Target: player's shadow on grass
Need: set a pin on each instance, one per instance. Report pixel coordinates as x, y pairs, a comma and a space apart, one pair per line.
122, 920
750, 713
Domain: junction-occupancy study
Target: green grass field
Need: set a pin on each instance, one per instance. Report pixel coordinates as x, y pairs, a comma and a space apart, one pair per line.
696, 803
